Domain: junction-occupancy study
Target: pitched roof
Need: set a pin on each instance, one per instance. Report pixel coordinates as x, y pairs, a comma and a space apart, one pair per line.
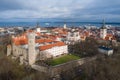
43, 40
51, 45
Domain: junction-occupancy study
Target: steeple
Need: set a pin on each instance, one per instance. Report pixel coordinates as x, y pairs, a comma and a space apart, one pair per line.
103, 25
65, 26
103, 30
37, 25
103, 22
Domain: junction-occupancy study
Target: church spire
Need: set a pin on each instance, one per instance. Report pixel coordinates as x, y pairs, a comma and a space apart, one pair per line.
103, 25
37, 25
103, 30
65, 25
103, 22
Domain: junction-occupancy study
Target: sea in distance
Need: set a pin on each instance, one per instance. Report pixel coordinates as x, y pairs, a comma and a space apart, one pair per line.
56, 24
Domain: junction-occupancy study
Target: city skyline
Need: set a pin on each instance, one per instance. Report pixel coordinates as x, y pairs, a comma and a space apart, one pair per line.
64, 10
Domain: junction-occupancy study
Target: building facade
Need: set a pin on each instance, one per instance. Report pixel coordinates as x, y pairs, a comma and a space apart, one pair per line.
73, 37
105, 50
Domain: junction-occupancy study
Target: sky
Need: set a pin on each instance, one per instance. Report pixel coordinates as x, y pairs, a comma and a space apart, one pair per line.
59, 10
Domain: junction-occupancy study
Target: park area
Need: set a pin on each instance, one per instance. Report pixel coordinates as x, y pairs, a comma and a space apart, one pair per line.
63, 59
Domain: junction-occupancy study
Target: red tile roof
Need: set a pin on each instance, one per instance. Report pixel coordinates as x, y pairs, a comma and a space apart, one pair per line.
22, 40
43, 40
51, 45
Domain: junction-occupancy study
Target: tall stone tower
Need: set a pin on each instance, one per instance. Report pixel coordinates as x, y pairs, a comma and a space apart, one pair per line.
31, 48
103, 31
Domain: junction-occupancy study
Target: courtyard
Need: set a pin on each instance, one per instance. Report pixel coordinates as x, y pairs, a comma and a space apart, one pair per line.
63, 59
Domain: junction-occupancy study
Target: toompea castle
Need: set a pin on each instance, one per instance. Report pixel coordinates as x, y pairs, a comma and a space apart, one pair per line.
45, 43
29, 49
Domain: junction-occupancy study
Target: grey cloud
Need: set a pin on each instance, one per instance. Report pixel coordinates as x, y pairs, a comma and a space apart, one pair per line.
10, 5
63, 9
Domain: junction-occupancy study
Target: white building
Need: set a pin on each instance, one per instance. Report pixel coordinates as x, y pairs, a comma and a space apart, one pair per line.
73, 36
65, 26
55, 51
38, 29
105, 50
118, 33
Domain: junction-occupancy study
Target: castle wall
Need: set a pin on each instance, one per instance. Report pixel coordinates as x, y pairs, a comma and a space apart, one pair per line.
20, 53
56, 70
17, 51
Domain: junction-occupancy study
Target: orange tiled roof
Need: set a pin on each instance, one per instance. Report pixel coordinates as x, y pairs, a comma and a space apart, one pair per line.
106, 38
109, 35
43, 40
113, 38
38, 33
9, 45
30, 31
51, 45
86, 33
21, 40
24, 40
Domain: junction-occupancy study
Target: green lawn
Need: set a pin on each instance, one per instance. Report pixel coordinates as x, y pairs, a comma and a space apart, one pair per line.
63, 59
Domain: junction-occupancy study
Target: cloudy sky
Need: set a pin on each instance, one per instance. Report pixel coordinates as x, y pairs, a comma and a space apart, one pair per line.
59, 10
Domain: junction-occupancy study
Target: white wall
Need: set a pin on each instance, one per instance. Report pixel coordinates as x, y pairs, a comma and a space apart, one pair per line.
56, 51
